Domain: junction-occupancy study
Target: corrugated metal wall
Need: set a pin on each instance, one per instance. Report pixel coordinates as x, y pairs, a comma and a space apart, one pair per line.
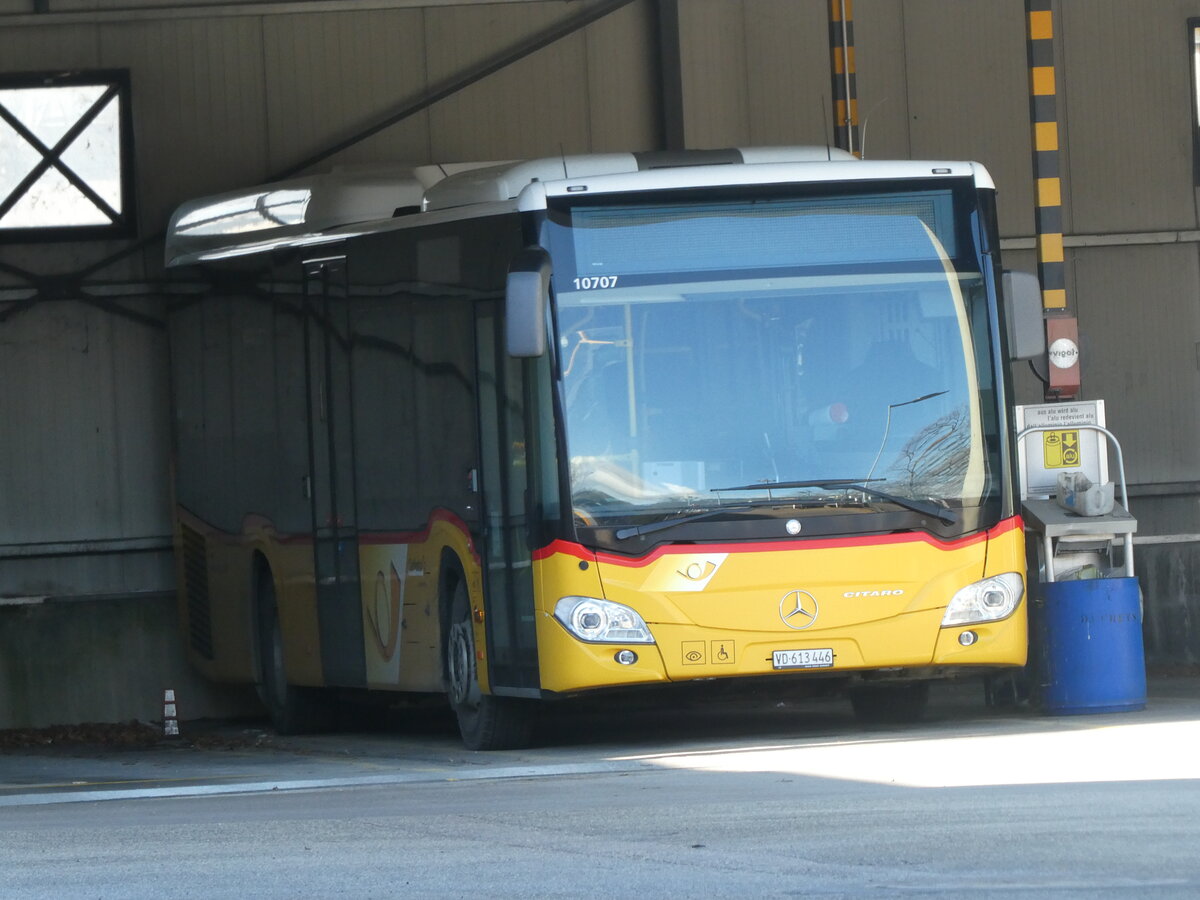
1129, 167
226, 99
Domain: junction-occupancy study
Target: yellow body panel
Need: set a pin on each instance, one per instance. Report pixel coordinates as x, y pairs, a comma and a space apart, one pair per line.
229, 567
399, 578
402, 631
568, 664
714, 611
719, 611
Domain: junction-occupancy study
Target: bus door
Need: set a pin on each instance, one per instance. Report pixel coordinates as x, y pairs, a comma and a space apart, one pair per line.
506, 461
331, 471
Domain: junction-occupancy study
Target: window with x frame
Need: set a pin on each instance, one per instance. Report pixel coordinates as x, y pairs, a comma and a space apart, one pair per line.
66, 158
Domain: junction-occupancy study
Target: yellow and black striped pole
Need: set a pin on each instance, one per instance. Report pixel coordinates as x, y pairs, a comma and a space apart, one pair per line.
845, 86
1061, 329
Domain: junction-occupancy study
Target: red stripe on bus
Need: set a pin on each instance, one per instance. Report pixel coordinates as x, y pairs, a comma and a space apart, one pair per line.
569, 548
416, 537
383, 538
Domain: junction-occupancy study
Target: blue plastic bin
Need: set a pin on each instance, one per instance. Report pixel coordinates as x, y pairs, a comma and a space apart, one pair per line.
1093, 656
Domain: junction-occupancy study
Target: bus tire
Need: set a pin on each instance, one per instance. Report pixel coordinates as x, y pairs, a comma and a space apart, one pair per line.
486, 722
890, 703
293, 709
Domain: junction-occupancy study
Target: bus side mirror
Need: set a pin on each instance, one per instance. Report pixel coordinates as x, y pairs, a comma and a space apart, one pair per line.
526, 296
1023, 312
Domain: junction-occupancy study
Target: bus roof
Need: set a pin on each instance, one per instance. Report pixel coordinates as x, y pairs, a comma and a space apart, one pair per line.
323, 208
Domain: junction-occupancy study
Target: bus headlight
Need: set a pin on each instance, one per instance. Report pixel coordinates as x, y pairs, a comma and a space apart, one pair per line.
602, 621
985, 601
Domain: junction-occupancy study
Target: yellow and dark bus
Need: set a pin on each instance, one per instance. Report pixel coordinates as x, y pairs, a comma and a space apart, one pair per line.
522, 431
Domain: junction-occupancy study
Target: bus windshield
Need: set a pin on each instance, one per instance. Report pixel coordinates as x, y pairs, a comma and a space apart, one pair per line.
716, 352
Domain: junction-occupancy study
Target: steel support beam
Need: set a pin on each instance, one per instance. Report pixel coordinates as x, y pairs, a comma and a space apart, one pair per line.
501, 60
670, 75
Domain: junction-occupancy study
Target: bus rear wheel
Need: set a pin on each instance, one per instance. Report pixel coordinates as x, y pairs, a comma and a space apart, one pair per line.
486, 722
890, 703
293, 709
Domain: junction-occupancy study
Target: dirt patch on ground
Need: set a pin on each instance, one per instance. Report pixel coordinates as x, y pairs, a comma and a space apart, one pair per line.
132, 735
120, 734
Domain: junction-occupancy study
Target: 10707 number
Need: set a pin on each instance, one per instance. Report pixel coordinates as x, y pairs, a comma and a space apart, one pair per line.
591, 282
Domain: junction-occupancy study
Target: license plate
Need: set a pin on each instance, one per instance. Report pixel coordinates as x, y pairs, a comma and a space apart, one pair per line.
802, 659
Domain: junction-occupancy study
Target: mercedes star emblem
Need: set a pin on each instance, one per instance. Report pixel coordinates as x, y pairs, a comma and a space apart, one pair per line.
798, 609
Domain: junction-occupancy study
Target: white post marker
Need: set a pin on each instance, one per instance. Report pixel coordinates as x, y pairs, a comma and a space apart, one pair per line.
170, 715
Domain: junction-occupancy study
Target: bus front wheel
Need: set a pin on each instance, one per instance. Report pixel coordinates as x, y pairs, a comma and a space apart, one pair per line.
485, 721
890, 703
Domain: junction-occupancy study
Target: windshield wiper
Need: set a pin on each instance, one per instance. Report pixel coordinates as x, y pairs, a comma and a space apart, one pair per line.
943, 515
622, 534
792, 485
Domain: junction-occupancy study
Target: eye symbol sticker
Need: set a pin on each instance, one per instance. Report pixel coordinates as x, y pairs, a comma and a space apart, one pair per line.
693, 653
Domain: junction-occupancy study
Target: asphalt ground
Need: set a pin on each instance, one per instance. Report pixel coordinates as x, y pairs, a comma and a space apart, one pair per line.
604, 736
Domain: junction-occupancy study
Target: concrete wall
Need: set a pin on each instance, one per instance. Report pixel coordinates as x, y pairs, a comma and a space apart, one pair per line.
102, 661
227, 96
